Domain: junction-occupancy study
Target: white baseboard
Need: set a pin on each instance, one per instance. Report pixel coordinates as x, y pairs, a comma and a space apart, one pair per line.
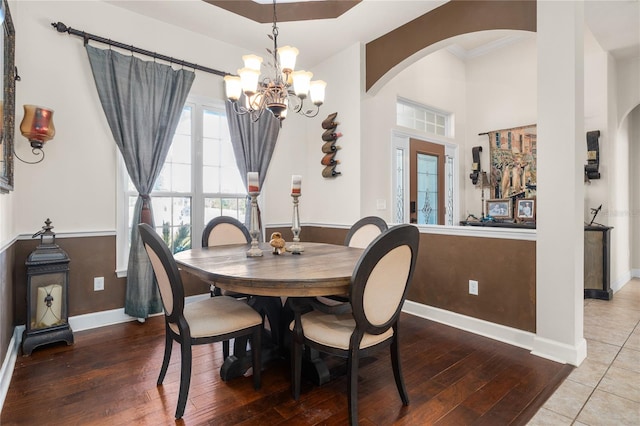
555, 351
9, 363
560, 352
77, 323
621, 281
512, 336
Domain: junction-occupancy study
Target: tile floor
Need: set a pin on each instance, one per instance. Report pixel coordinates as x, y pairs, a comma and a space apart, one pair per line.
605, 389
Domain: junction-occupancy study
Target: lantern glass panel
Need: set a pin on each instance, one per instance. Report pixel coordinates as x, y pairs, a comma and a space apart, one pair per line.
48, 300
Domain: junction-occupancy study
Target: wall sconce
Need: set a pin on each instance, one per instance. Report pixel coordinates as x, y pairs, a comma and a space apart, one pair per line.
37, 126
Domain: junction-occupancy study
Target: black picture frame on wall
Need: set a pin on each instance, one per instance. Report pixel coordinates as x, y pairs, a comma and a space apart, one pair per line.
7, 102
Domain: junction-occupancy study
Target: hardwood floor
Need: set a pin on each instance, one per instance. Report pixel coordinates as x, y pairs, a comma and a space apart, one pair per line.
109, 377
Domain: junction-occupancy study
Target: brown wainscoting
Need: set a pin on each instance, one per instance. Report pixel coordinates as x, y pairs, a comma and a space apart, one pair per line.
6, 300
92, 256
505, 270
313, 234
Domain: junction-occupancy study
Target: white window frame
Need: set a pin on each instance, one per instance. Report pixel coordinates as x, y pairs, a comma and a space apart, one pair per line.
198, 104
448, 129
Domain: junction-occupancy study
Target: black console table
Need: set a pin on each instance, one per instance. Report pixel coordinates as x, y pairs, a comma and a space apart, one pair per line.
597, 243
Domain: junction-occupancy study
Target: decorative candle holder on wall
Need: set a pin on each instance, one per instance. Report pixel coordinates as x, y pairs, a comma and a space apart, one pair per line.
329, 147
253, 183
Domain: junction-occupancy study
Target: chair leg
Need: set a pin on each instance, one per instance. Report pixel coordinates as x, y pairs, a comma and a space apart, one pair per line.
185, 378
352, 385
296, 361
168, 345
397, 369
256, 349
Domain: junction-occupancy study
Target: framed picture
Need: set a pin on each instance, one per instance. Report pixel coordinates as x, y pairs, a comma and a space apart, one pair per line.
526, 209
7, 93
499, 208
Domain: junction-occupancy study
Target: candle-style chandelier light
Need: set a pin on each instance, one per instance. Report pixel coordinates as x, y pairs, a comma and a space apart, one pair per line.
283, 90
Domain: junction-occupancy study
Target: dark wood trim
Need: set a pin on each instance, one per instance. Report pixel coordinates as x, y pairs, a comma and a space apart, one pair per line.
295, 11
449, 20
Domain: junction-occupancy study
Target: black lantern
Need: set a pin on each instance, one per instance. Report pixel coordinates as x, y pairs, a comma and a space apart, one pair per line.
47, 287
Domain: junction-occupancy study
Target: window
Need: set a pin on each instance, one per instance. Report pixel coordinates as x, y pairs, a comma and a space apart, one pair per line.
199, 181
422, 118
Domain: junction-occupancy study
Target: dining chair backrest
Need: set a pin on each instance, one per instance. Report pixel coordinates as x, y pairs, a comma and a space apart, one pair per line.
381, 278
166, 272
364, 231
223, 230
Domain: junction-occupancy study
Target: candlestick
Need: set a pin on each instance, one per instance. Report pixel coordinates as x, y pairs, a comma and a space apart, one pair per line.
296, 184
296, 247
254, 251
253, 182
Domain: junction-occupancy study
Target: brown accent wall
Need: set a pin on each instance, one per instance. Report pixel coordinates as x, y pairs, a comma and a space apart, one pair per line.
505, 271
313, 234
449, 20
90, 257
7, 300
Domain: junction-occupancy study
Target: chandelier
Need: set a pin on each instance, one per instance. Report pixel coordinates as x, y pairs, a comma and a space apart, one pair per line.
283, 90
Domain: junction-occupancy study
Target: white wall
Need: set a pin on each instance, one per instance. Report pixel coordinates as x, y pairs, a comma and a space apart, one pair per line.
596, 104
634, 188
76, 184
437, 81
501, 93
334, 200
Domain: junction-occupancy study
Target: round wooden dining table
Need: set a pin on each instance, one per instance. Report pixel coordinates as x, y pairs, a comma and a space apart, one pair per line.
320, 270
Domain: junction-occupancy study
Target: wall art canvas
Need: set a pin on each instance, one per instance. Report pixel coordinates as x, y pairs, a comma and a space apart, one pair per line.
513, 162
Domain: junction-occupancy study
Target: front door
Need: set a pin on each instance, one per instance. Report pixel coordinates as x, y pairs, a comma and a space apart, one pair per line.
426, 183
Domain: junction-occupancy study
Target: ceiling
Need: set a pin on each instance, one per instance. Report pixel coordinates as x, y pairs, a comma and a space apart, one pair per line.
614, 23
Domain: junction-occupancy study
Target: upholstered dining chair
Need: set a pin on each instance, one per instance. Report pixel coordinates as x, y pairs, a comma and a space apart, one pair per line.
364, 231
223, 230
220, 231
211, 320
378, 289
360, 235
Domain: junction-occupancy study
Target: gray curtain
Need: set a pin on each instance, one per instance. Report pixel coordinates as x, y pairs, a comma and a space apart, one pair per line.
142, 101
253, 145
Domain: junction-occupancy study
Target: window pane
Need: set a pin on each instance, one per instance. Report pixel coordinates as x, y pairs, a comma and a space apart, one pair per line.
180, 151
234, 207
210, 179
181, 178
421, 118
427, 189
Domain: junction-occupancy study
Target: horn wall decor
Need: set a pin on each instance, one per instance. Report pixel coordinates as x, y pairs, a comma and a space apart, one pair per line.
329, 147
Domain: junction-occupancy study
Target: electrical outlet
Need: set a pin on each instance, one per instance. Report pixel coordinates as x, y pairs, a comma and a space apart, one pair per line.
473, 287
98, 283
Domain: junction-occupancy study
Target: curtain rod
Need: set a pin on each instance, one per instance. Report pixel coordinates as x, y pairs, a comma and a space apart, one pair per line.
62, 28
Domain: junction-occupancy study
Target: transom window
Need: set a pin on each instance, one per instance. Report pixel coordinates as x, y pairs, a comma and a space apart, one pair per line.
422, 118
